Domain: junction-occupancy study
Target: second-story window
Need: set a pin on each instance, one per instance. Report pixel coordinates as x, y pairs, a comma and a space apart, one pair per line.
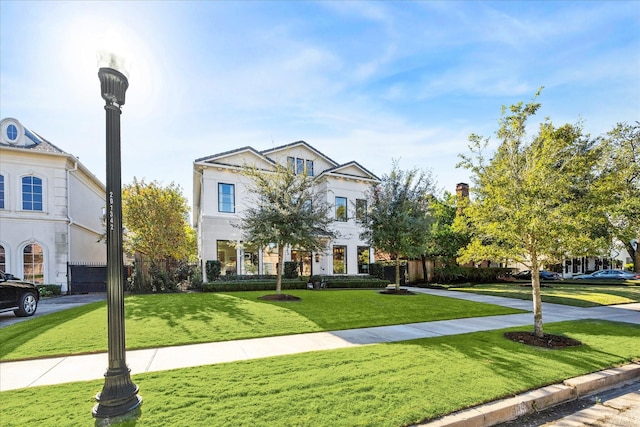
300, 166
341, 209
361, 210
31, 193
226, 198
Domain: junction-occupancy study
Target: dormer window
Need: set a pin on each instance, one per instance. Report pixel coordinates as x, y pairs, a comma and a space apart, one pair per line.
12, 132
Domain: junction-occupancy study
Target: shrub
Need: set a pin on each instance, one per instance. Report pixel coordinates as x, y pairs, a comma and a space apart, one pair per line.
290, 270
376, 270
261, 284
214, 268
49, 290
456, 274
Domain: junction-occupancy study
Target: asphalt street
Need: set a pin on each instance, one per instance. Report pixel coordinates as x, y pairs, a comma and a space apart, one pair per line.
51, 305
616, 407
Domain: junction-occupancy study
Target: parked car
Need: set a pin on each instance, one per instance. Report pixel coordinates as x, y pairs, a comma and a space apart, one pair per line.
609, 275
544, 275
18, 295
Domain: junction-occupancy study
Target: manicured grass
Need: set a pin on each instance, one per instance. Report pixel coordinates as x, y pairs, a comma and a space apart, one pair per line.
174, 319
576, 294
392, 384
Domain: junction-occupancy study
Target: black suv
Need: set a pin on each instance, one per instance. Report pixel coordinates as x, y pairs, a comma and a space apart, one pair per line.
17, 295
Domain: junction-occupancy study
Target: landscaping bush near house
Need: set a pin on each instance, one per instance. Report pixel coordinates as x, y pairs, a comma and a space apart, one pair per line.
50, 290
455, 274
266, 282
213, 268
354, 282
252, 285
376, 270
290, 270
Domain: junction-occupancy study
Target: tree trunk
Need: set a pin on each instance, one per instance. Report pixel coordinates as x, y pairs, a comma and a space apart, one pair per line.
635, 255
425, 274
397, 273
279, 269
537, 298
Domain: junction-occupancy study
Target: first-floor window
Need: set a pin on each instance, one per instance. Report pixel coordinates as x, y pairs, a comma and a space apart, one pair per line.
226, 198
250, 260
33, 263
3, 259
227, 257
270, 259
363, 259
339, 260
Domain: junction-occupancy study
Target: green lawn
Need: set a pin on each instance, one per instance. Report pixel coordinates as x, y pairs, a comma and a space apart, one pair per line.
174, 319
576, 294
392, 384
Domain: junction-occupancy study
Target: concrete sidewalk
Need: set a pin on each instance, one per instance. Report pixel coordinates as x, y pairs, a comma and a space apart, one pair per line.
31, 373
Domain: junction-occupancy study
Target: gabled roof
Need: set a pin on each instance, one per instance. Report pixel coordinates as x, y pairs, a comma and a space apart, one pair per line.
343, 170
286, 147
27, 139
226, 158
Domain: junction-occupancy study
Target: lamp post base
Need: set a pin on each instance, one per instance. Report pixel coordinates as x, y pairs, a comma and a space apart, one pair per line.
119, 396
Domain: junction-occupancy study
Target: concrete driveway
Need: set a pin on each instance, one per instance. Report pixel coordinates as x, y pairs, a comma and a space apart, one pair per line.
51, 305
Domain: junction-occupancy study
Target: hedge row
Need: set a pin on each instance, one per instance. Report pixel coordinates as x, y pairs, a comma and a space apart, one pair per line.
470, 274
353, 282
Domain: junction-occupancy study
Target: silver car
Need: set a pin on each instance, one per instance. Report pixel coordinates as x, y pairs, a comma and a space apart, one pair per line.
610, 275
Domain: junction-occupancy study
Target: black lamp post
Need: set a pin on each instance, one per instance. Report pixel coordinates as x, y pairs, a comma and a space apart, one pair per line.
119, 395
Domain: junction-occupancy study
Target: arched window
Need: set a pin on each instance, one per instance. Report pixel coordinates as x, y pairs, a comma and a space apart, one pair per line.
31, 193
3, 259
33, 263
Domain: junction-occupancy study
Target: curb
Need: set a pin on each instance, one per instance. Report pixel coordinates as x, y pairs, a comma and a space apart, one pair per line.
511, 408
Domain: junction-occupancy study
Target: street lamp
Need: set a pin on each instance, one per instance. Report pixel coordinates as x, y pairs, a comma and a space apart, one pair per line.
119, 396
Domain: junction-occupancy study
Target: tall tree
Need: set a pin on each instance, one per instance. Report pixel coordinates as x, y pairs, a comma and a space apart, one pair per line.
288, 210
620, 186
156, 220
398, 218
532, 201
443, 241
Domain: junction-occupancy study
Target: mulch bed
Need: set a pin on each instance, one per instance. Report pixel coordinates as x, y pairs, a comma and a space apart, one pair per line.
395, 291
281, 297
546, 341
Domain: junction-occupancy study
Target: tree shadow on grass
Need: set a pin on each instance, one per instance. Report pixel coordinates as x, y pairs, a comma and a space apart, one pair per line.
177, 308
605, 344
14, 336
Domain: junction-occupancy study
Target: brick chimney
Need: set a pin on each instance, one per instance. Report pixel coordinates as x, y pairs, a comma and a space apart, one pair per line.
462, 195
462, 190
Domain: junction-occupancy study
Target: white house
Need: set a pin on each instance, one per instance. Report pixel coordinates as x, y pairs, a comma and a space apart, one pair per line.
220, 197
50, 208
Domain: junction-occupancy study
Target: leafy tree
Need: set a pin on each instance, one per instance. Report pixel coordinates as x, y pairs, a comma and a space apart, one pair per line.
532, 201
620, 185
288, 210
443, 241
155, 218
398, 218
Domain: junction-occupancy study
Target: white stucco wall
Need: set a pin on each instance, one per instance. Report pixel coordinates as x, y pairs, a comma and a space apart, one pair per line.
211, 225
69, 224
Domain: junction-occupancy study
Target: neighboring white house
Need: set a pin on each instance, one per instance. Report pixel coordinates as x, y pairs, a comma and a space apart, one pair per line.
51, 208
220, 197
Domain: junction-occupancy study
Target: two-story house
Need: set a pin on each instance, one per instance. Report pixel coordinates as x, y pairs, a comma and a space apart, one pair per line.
51, 208
221, 195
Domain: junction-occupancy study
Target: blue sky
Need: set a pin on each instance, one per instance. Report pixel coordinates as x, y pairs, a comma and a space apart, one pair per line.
364, 81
